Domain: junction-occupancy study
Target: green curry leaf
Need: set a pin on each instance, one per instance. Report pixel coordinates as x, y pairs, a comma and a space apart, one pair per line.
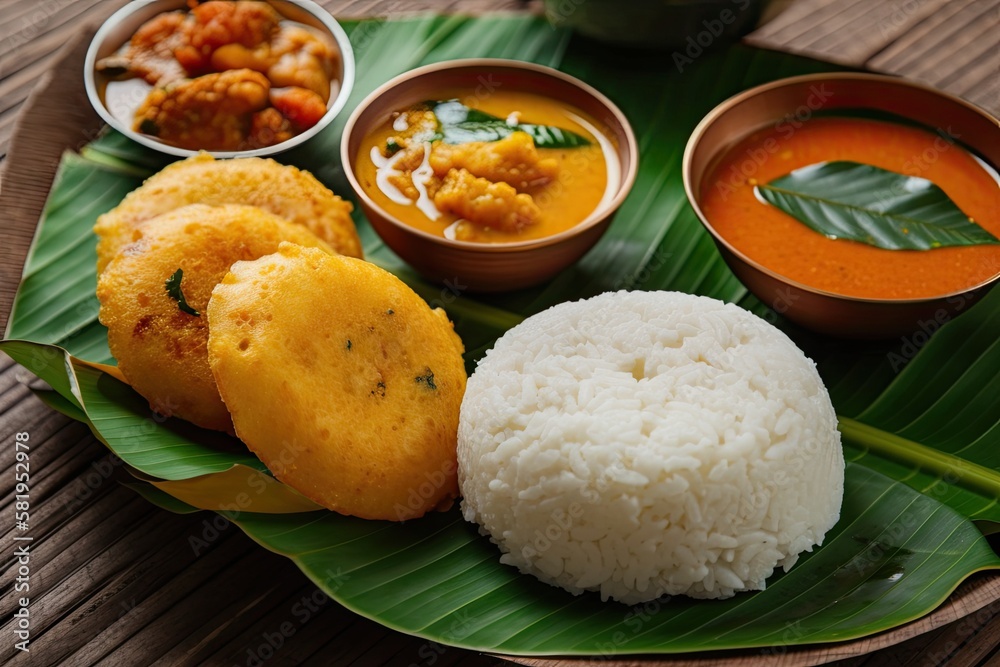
173, 286
864, 203
459, 124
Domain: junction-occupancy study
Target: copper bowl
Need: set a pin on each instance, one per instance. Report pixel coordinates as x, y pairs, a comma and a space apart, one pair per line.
489, 267
121, 25
796, 98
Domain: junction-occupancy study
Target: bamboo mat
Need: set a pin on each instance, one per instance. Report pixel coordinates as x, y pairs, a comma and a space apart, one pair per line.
117, 581
951, 44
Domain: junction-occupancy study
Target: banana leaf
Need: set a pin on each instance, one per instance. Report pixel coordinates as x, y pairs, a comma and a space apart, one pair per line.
920, 416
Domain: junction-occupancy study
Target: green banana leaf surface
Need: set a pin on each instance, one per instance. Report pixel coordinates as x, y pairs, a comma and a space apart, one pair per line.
920, 416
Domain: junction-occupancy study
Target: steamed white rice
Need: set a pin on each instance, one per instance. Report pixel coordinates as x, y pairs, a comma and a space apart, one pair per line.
643, 444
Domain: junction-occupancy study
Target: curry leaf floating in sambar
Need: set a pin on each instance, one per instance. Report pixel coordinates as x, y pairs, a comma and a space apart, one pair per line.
861, 202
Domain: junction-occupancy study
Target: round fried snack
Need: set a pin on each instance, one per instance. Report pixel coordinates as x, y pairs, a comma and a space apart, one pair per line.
160, 348
342, 380
286, 191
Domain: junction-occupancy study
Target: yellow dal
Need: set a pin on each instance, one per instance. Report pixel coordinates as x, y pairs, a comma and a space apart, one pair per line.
565, 202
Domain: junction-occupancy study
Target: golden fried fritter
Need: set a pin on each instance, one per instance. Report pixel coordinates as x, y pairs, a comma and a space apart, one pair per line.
513, 159
341, 379
492, 205
283, 190
211, 112
160, 347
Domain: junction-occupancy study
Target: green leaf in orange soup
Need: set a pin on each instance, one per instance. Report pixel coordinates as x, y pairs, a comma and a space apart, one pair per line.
864, 203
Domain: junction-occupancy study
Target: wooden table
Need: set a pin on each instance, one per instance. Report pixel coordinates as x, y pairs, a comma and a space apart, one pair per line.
119, 582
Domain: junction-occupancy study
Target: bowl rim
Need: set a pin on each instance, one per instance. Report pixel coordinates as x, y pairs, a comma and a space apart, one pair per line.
323, 16
629, 171
724, 106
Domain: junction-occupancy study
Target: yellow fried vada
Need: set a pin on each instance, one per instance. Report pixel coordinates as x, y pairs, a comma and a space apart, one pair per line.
342, 380
154, 294
285, 191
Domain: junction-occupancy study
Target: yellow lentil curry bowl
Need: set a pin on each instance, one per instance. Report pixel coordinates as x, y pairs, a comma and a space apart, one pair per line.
487, 174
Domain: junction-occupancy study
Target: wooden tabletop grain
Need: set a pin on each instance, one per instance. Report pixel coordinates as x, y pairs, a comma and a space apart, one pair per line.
117, 581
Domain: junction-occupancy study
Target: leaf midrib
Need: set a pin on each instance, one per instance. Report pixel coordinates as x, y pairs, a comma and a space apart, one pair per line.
925, 226
971, 476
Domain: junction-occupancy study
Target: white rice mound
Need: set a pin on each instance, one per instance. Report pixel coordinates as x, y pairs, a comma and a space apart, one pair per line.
643, 444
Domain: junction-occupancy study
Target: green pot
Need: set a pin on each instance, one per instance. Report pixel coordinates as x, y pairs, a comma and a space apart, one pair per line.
689, 27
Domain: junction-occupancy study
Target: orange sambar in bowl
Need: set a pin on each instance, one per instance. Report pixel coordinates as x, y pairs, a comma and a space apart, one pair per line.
779, 242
